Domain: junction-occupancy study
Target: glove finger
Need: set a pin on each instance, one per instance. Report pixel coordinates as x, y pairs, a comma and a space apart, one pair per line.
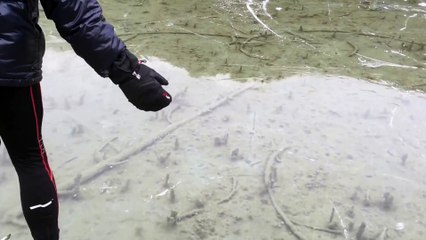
167, 97
160, 79
161, 102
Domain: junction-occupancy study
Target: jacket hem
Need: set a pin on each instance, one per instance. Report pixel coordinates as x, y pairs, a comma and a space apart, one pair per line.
19, 82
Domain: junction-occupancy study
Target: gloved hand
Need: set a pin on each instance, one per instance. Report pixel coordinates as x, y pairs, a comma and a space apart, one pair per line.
140, 84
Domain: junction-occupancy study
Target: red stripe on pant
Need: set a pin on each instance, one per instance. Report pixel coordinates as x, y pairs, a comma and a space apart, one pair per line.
40, 143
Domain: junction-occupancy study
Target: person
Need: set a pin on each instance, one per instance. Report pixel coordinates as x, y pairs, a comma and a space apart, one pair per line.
22, 45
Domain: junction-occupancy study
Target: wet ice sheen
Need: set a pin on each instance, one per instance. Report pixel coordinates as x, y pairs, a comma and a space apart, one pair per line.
348, 144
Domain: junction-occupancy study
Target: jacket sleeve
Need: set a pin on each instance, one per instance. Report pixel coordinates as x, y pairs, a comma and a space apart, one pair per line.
81, 23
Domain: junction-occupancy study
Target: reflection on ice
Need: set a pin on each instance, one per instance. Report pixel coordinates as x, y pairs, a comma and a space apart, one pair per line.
265, 8
406, 21
328, 154
376, 63
249, 4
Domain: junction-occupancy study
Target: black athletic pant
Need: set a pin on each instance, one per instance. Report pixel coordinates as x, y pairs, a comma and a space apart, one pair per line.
21, 115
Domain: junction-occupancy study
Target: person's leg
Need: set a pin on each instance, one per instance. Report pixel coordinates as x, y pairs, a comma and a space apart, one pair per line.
21, 114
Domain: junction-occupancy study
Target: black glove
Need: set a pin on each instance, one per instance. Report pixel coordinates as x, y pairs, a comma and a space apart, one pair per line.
140, 84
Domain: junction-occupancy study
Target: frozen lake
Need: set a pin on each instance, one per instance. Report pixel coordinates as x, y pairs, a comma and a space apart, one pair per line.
227, 155
288, 122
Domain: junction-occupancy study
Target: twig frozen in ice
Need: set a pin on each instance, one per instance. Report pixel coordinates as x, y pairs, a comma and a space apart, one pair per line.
331, 215
174, 218
383, 235
392, 117
165, 191
110, 144
169, 114
101, 167
354, 47
232, 193
327, 230
6, 237
360, 231
342, 223
267, 181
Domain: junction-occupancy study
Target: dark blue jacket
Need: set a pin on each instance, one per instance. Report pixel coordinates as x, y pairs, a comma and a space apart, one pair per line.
79, 22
